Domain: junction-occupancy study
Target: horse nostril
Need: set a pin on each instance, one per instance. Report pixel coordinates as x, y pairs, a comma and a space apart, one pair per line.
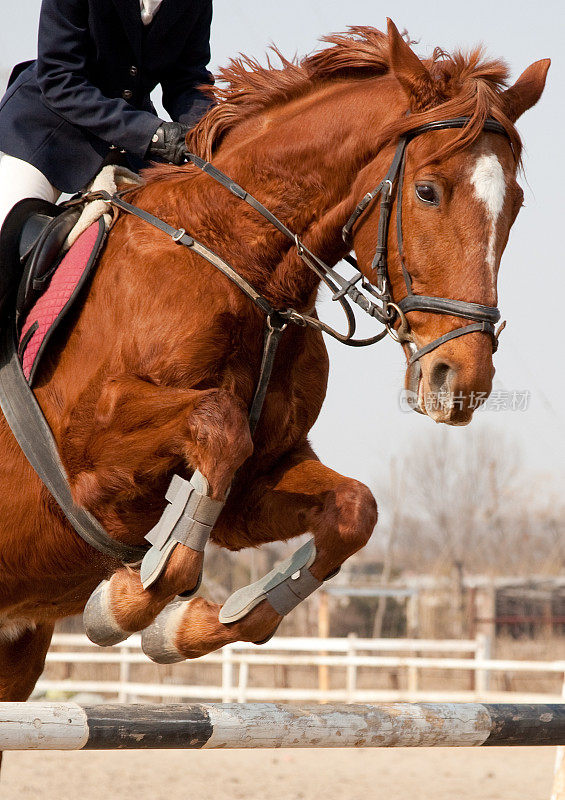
439, 377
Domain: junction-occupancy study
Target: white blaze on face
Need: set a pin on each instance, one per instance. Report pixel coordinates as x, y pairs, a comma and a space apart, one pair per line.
490, 188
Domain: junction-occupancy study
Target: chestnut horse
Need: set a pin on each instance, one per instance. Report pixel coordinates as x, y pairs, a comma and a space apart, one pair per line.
158, 367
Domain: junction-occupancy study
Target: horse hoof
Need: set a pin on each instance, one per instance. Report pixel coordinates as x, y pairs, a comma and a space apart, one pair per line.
99, 622
157, 640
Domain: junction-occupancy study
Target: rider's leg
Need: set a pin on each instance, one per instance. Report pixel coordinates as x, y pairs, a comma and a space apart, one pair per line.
19, 180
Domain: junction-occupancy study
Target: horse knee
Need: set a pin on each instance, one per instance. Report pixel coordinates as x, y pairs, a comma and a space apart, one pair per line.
357, 514
219, 425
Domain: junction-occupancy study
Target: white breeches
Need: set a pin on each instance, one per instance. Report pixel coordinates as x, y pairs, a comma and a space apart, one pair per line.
19, 180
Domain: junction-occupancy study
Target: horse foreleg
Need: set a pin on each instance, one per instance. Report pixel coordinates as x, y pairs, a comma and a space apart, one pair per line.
22, 657
302, 495
143, 433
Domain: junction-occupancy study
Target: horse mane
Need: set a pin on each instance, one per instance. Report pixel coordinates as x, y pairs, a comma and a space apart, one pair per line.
468, 84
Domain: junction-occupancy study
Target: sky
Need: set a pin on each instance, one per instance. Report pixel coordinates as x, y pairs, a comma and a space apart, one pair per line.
362, 426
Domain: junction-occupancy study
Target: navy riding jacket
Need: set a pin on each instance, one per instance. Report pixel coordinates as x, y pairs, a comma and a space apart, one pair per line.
88, 90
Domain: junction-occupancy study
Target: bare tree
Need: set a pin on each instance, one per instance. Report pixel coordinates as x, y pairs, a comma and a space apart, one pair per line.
461, 502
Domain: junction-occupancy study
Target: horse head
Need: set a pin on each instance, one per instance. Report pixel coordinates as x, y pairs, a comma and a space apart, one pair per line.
458, 197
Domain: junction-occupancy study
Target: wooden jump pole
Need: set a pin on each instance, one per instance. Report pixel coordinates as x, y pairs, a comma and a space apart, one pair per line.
68, 726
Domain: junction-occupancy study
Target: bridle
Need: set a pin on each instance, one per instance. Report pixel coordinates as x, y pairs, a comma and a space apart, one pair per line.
385, 310
483, 316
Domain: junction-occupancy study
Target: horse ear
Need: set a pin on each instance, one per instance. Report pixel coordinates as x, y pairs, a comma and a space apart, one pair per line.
407, 68
527, 90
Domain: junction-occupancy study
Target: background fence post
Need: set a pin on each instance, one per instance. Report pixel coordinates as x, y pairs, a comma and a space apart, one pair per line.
242, 682
558, 791
227, 674
413, 677
351, 672
323, 633
482, 653
123, 694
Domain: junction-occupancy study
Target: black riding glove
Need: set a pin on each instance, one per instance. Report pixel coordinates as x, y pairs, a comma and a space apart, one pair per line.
169, 142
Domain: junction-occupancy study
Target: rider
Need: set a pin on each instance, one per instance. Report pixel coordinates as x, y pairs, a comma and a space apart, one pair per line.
86, 97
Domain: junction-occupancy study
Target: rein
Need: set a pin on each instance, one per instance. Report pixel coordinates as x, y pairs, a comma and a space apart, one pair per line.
386, 312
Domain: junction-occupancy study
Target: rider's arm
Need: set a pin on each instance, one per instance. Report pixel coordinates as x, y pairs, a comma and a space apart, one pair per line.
66, 89
181, 96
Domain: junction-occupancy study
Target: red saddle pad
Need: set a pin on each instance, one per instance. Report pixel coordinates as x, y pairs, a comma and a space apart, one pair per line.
63, 289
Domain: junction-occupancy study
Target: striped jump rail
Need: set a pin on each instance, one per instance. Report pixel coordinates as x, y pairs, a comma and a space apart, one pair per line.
69, 726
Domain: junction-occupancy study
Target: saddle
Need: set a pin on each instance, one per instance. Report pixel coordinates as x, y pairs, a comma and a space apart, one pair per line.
38, 280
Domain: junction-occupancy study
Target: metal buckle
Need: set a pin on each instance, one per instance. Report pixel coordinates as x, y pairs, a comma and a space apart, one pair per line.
176, 237
389, 190
296, 317
382, 287
403, 333
280, 328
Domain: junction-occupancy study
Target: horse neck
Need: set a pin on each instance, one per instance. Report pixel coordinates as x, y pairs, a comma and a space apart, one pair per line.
302, 166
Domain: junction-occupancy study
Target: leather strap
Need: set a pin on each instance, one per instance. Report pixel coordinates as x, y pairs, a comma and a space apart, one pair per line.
442, 305
33, 434
338, 285
476, 327
180, 236
273, 335
490, 125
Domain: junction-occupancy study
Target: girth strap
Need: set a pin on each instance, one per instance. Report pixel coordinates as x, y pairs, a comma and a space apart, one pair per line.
35, 438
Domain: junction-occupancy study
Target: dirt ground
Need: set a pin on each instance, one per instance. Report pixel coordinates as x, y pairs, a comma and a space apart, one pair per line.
397, 774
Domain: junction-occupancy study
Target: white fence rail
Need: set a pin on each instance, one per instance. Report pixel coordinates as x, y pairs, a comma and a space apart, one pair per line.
349, 654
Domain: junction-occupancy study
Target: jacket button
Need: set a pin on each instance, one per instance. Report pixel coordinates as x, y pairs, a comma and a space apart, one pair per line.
133, 71
127, 94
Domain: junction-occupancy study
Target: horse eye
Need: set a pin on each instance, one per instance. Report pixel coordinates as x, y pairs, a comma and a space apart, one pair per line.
427, 194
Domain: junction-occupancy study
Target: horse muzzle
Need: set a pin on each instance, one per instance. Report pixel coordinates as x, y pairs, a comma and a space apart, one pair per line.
450, 388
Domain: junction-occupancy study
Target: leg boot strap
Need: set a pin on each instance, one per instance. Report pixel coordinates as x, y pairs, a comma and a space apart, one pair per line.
188, 519
287, 585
